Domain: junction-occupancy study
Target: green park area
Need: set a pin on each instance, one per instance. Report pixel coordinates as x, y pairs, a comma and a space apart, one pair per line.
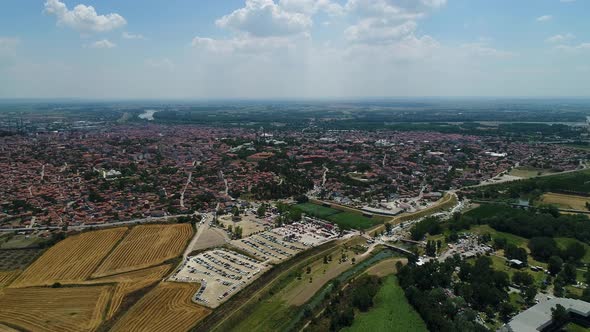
345, 220
390, 312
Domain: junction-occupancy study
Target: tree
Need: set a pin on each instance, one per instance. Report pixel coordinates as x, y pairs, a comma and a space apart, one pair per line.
506, 309
388, 227
529, 293
554, 264
543, 247
261, 211
522, 278
569, 273
559, 315
574, 251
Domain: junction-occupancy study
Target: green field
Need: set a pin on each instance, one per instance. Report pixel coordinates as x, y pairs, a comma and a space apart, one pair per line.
345, 220
316, 210
391, 312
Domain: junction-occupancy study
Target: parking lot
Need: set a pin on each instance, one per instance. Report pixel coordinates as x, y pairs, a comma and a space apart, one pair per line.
223, 272
220, 272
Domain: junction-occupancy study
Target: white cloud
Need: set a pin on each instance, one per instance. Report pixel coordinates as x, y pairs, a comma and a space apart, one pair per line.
83, 18
560, 38
374, 30
127, 35
263, 18
575, 48
310, 7
482, 49
245, 45
544, 18
8, 45
104, 43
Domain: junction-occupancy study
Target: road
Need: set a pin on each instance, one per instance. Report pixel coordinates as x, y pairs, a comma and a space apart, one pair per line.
188, 181
110, 224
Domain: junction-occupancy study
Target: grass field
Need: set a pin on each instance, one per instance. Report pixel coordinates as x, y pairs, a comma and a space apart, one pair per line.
146, 246
345, 218
348, 220
565, 201
573, 327
385, 267
316, 210
391, 312
528, 172
168, 307
54, 309
71, 260
510, 238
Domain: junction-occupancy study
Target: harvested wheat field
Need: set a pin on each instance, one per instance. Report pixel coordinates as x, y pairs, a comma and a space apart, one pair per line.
146, 246
71, 260
54, 309
168, 307
566, 201
130, 282
6, 277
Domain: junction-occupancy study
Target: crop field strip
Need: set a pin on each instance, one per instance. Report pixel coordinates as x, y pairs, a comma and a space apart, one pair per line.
71, 260
6, 277
127, 283
54, 309
168, 307
146, 246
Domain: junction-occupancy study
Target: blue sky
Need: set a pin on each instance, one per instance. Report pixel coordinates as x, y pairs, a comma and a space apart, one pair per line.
293, 48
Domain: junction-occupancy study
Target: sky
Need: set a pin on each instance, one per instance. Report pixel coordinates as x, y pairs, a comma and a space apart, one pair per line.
256, 49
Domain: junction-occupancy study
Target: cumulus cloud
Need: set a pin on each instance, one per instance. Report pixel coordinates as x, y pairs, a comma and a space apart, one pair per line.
310, 7
378, 31
544, 18
560, 38
264, 18
104, 43
83, 18
127, 35
245, 46
574, 48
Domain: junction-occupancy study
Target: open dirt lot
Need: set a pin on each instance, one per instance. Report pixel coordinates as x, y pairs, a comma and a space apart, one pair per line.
146, 246
168, 307
566, 201
71, 260
54, 309
211, 237
249, 222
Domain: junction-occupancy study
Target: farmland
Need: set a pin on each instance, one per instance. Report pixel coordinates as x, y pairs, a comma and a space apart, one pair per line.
17, 258
146, 246
71, 260
562, 201
391, 312
51, 309
167, 307
6, 277
127, 283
